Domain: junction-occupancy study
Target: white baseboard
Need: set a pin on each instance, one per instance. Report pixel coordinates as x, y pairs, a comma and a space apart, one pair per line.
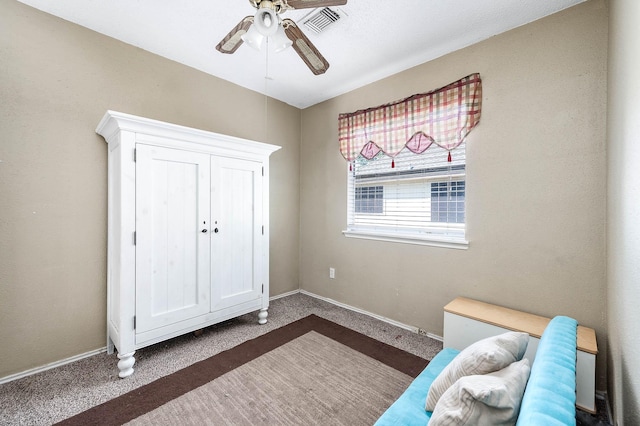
376, 316
51, 365
280, 296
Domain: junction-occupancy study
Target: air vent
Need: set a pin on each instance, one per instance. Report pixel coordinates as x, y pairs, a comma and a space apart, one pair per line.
322, 19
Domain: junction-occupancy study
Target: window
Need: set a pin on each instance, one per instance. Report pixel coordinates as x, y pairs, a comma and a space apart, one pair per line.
369, 199
447, 201
407, 165
417, 198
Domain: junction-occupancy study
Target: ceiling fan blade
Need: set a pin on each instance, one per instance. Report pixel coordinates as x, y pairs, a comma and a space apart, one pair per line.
304, 48
232, 41
306, 4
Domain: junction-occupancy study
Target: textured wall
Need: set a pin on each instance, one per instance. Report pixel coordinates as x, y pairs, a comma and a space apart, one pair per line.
536, 176
56, 82
623, 214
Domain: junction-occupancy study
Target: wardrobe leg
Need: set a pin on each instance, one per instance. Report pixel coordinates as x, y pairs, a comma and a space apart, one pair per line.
262, 316
125, 365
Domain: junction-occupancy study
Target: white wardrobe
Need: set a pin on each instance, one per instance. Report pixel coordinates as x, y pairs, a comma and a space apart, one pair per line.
188, 234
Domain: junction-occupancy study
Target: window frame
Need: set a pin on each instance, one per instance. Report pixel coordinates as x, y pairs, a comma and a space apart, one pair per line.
429, 238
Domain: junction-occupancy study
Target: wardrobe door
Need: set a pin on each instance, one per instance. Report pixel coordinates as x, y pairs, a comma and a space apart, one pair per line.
236, 249
172, 237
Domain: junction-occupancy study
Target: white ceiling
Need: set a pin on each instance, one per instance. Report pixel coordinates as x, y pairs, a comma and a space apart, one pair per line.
373, 39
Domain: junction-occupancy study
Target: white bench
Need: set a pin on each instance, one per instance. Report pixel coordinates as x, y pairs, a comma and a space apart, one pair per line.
466, 321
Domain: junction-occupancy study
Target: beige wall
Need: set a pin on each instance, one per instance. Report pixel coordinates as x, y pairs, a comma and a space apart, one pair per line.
536, 176
624, 211
56, 82
536, 182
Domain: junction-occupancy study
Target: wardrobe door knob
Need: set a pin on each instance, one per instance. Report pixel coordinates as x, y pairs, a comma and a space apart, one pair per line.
204, 231
215, 230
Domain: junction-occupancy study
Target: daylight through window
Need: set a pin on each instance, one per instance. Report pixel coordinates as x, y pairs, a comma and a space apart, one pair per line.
422, 196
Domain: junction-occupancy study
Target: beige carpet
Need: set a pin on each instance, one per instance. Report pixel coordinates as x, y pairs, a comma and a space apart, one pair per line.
311, 371
312, 379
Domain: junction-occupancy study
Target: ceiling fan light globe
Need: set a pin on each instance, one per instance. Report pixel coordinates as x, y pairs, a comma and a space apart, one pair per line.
266, 22
253, 38
280, 40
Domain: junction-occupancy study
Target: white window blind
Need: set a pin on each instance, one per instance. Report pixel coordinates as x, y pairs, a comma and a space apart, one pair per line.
422, 196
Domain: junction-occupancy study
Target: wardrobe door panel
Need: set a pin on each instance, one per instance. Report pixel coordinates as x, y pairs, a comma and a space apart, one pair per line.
172, 233
236, 207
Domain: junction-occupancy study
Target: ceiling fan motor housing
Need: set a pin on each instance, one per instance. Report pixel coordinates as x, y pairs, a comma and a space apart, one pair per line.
276, 5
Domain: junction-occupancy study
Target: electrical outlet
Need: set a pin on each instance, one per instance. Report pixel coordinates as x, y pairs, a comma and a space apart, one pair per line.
332, 273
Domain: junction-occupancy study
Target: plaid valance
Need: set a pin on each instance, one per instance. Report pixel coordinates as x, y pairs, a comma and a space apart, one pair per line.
444, 116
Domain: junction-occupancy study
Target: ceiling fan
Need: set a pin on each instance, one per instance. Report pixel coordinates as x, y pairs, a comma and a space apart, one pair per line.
283, 32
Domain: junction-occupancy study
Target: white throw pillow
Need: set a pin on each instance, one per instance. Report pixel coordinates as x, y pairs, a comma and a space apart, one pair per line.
485, 356
490, 399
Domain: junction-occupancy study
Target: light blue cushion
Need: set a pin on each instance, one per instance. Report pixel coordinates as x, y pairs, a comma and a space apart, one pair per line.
409, 409
550, 396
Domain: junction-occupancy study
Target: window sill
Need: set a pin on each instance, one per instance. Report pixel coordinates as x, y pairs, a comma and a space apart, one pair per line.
424, 240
